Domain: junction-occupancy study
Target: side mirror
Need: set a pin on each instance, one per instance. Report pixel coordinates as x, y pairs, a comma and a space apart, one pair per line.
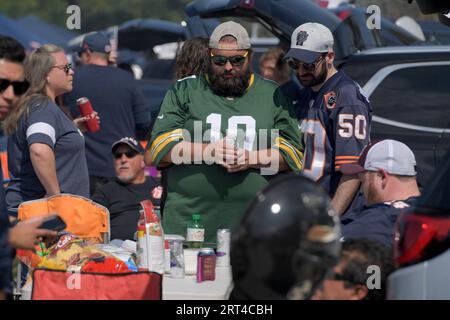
444, 18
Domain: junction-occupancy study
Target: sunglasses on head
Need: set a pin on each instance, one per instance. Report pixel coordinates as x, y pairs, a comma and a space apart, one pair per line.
66, 67
234, 60
19, 87
296, 64
129, 154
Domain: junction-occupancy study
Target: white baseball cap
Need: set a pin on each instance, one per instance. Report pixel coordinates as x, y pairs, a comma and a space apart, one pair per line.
308, 41
392, 156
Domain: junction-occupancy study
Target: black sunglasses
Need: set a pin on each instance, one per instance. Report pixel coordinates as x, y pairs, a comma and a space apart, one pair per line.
66, 68
234, 60
19, 87
295, 64
129, 154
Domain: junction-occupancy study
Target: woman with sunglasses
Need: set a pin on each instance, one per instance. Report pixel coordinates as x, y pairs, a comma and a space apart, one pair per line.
45, 149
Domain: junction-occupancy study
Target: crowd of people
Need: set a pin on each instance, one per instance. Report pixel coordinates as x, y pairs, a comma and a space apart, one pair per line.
223, 135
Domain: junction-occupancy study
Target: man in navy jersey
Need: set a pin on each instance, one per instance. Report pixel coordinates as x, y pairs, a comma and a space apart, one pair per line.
335, 116
387, 170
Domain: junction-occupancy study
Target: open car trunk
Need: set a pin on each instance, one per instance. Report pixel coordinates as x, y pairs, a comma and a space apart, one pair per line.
280, 17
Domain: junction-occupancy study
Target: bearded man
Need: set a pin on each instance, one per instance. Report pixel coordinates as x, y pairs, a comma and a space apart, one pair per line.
221, 137
335, 116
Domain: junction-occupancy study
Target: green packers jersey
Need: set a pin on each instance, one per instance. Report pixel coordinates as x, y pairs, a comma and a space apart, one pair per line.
260, 119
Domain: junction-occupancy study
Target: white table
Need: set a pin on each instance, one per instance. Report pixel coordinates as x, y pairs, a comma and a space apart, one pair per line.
188, 288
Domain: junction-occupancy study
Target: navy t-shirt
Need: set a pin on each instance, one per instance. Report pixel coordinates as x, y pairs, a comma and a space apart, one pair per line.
291, 90
376, 221
46, 123
123, 202
122, 109
336, 126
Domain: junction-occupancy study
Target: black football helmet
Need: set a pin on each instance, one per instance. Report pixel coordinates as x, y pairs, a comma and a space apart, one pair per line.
286, 243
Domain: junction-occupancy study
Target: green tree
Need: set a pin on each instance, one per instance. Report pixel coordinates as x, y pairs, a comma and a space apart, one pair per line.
96, 14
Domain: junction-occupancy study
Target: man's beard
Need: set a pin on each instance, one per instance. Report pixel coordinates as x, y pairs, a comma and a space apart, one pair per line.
125, 179
314, 81
229, 87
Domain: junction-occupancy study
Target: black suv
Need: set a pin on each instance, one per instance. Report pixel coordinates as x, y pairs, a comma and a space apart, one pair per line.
408, 90
422, 242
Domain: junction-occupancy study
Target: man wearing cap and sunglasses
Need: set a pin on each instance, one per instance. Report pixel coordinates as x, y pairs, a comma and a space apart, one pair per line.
387, 170
122, 196
218, 176
117, 98
335, 116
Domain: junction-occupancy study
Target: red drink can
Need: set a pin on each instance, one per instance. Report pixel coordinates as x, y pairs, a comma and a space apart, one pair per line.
86, 110
206, 265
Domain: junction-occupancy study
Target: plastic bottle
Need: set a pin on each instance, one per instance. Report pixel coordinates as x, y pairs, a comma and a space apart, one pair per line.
195, 232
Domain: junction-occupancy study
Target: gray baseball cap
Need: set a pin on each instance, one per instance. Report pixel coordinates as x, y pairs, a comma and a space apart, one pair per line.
233, 29
309, 41
392, 156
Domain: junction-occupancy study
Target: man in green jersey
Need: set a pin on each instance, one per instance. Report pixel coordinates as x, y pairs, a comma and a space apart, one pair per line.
221, 137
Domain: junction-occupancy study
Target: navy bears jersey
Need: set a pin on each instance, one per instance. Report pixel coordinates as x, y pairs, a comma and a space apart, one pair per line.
375, 221
336, 125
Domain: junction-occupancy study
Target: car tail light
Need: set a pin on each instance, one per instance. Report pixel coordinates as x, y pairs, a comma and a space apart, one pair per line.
248, 4
344, 14
323, 3
419, 237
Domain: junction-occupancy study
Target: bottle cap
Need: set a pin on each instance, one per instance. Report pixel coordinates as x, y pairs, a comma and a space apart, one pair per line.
195, 217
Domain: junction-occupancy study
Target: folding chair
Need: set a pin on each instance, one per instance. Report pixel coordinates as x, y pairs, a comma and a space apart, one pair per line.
83, 217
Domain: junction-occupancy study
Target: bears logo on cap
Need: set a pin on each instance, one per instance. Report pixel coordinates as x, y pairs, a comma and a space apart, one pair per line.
302, 36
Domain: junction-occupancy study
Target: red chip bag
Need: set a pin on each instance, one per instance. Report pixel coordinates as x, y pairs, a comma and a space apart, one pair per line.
108, 265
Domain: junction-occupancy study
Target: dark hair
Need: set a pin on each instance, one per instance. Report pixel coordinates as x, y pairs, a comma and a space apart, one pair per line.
357, 255
193, 58
277, 54
11, 50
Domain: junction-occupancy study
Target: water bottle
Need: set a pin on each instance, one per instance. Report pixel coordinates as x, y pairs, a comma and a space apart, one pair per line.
195, 232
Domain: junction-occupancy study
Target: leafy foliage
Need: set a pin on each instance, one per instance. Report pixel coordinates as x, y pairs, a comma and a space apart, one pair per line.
96, 14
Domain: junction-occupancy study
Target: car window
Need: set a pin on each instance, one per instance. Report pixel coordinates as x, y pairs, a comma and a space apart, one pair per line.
159, 69
415, 95
436, 193
392, 37
439, 38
